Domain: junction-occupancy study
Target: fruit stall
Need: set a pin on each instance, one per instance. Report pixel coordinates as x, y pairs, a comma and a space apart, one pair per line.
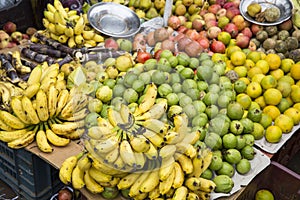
150, 99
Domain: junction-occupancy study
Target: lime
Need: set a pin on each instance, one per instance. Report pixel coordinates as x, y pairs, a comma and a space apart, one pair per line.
264, 194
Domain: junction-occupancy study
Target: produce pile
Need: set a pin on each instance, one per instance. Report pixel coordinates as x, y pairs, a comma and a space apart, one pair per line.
176, 122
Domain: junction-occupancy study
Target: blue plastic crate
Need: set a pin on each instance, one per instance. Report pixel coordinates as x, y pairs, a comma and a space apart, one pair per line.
31, 177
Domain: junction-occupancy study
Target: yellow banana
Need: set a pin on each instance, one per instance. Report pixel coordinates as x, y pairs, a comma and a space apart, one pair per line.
55, 139
112, 156
77, 178
173, 137
206, 185
50, 7
11, 120
151, 182
66, 127
107, 145
100, 133
115, 180
49, 72
49, 16
128, 180
78, 115
207, 157
14, 90
155, 112
152, 152
154, 194
127, 154
166, 185
140, 159
148, 100
120, 164
103, 122
125, 114
52, 30
62, 100
98, 175
91, 184
74, 104
63, 39
42, 142
84, 163
90, 43
75, 135
167, 151
139, 143
193, 183
8, 136
179, 176
71, 42
192, 196
60, 28
69, 31
31, 90
198, 164
52, 98
166, 168
45, 23
155, 125
185, 163
74, 18
42, 105
61, 85
24, 140
66, 168
187, 149
180, 193
181, 123
72, 13
192, 137
16, 105
79, 40
79, 26
154, 138
58, 5
4, 126
5, 94
135, 187
114, 117
88, 35
203, 195
98, 38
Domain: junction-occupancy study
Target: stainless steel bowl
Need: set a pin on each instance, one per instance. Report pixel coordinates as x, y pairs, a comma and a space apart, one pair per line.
285, 7
114, 19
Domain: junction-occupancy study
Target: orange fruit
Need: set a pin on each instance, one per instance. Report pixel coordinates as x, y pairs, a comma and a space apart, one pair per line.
264, 194
272, 111
238, 58
273, 60
295, 71
244, 99
273, 134
272, 96
263, 65
295, 93
288, 79
245, 79
249, 64
254, 90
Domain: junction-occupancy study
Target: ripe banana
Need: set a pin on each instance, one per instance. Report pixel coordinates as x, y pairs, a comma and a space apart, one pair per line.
78, 115
8, 136
166, 168
4, 126
114, 117
135, 187
100, 133
49, 16
62, 100
173, 137
71, 42
185, 163
91, 184
42, 105
180, 193
127, 153
155, 125
24, 140
55, 139
181, 123
151, 182
152, 153
60, 28
50, 7
187, 149
179, 176
79, 40
120, 164
5, 94
58, 18
66, 168
58, 5
76, 103
98, 38
166, 185
69, 31
31, 90
126, 115
52, 98
198, 164
16, 105
79, 26
77, 178
167, 151
11, 120
139, 143
193, 183
192, 196
154, 138
107, 145
63, 38
75, 135
140, 159
202, 195
206, 185
155, 112
148, 101
88, 35
154, 194
99, 176
65, 127
112, 156
192, 137
42, 142
128, 180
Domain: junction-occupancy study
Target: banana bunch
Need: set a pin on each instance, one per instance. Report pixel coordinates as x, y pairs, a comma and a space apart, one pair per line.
69, 27
45, 112
7, 90
136, 149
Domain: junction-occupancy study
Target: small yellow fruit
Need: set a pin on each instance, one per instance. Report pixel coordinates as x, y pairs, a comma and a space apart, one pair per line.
285, 123
273, 134
272, 96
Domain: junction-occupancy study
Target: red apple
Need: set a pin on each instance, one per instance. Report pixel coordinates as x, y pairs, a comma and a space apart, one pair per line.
111, 43
142, 56
192, 34
213, 32
242, 40
221, 2
221, 13
214, 8
203, 12
182, 19
255, 28
4, 39
239, 20
232, 29
204, 42
157, 54
217, 47
198, 24
9, 27
231, 12
174, 22
209, 16
247, 31
210, 23
228, 5
25, 36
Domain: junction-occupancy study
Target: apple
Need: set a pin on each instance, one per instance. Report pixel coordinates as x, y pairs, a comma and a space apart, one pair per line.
9, 27
209, 16
204, 42
182, 29
217, 46
236, 3
223, 21
242, 40
247, 31
239, 20
111, 44
232, 29
4, 39
188, 24
25, 36
174, 22
255, 28
221, 13
231, 12
214, 8
203, 34
213, 32
228, 5
198, 24
142, 56
210, 23
203, 12
17, 37
221, 2
182, 19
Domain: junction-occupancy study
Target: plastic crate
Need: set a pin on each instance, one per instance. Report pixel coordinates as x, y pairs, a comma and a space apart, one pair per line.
18, 11
281, 181
31, 177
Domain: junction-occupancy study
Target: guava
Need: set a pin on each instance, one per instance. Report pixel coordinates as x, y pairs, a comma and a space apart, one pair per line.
233, 156
247, 124
249, 139
219, 125
240, 142
229, 141
213, 140
226, 169
216, 163
236, 127
254, 114
243, 167
248, 152
235, 110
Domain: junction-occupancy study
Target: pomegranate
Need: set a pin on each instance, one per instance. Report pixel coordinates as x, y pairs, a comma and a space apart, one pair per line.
228, 5
9, 27
210, 23
217, 46
209, 16
213, 32
239, 20
192, 34
232, 11
247, 31
198, 24
204, 42
232, 29
174, 22
242, 40
111, 43
255, 28
214, 8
